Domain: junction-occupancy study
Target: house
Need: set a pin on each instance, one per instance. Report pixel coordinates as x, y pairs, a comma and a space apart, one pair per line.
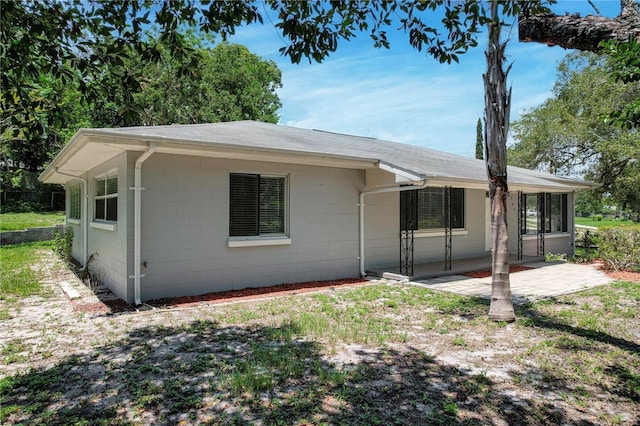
191, 209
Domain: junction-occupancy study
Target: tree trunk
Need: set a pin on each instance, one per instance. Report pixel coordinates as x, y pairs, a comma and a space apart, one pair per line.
582, 33
497, 108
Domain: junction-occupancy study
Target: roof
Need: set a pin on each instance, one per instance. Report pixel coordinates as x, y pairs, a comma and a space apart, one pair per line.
271, 142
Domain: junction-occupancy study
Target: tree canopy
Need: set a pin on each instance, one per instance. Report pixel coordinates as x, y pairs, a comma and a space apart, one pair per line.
229, 83
569, 134
75, 41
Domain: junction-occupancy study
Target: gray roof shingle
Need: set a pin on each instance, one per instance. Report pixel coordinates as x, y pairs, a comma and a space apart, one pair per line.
419, 161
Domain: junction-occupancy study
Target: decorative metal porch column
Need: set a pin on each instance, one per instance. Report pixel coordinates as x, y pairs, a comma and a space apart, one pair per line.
447, 228
541, 223
522, 220
408, 223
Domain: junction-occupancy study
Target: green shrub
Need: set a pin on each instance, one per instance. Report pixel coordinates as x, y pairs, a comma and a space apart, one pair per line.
619, 247
598, 218
63, 242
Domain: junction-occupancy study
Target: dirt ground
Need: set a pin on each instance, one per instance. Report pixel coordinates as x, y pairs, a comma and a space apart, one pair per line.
99, 361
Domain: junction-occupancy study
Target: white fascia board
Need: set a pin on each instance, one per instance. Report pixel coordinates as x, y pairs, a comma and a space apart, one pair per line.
108, 144
402, 175
477, 184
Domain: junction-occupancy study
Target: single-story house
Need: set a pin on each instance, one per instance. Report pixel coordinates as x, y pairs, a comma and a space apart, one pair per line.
191, 209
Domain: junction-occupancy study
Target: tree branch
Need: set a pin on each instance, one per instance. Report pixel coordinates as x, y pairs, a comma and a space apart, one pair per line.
573, 31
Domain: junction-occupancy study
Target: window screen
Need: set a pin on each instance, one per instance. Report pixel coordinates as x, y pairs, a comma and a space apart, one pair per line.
432, 208
74, 202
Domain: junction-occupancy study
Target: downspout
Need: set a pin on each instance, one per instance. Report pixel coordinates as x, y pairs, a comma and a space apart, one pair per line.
85, 219
409, 187
137, 222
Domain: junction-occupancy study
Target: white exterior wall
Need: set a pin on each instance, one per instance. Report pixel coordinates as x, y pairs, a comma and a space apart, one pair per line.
110, 246
185, 227
77, 246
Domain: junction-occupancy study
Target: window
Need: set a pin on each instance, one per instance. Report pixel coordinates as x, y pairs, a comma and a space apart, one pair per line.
431, 209
74, 202
545, 211
257, 205
106, 198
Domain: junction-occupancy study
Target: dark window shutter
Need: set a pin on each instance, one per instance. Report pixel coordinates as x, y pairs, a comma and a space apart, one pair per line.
457, 208
409, 210
244, 190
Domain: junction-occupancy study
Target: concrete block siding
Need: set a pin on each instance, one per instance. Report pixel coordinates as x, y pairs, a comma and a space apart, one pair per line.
185, 227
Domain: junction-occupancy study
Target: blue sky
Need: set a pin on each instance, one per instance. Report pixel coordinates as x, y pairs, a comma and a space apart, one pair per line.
403, 95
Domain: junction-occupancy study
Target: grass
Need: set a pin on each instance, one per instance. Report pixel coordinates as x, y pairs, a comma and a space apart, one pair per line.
21, 221
589, 221
17, 277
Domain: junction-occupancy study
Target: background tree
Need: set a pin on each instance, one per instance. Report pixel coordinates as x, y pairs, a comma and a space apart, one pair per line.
569, 135
67, 65
479, 141
624, 60
232, 84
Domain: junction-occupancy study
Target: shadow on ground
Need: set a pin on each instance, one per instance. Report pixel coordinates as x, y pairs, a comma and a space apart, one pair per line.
202, 373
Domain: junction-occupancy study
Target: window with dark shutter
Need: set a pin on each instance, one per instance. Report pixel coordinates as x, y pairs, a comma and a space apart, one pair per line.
257, 205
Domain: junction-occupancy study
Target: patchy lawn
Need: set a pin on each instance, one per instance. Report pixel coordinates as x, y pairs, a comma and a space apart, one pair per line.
381, 353
20, 221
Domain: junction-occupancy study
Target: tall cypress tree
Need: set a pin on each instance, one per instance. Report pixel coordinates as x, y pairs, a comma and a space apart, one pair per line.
479, 141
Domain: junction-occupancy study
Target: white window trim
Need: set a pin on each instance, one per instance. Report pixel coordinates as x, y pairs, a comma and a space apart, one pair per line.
112, 172
106, 226
74, 221
69, 218
438, 233
258, 241
547, 235
109, 223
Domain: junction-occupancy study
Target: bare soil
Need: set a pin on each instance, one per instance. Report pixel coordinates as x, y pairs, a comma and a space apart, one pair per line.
98, 361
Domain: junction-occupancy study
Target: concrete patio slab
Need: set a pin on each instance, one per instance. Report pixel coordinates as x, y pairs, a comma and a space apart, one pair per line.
545, 280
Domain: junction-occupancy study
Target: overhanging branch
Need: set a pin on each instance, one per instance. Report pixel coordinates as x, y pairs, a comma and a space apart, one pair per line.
573, 31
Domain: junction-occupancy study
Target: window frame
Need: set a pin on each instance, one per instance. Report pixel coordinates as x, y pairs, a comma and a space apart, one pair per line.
259, 237
106, 199
74, 212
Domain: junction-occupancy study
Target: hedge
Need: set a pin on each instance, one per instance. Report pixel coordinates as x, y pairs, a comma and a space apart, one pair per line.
619, 247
